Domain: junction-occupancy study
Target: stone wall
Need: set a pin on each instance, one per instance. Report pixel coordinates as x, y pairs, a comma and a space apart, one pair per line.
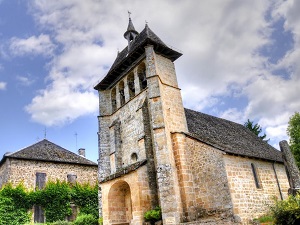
25, 171
212, 195
136, 200
4, 172
250, 201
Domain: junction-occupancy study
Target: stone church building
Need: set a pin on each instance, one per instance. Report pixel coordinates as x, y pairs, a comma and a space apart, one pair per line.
154, 152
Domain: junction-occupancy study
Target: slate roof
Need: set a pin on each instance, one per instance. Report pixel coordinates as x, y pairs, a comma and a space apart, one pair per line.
49, 152
229, 137
137, 48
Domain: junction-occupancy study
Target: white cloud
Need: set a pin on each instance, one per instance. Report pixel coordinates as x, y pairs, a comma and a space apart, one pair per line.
53, 107
40, 45
220, 41
2, 85
234, 115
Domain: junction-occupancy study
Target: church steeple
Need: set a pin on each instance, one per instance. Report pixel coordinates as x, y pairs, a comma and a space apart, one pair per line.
131, 33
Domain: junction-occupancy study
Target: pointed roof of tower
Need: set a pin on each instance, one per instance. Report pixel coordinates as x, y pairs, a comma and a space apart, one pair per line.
48, 152
130, 30
126, 58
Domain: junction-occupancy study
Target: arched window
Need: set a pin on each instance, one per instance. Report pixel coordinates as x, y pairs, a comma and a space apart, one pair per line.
134, 157
122, 93
142, 76
113, 100
130, 83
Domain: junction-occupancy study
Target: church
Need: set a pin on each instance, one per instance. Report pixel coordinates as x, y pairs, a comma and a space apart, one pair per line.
199, 169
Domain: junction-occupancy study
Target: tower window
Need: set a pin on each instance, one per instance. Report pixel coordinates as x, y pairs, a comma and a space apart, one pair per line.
122, 93
134, 157
113, 100
131, 87
142, 76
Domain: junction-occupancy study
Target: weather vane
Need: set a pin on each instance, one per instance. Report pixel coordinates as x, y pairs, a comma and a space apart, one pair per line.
129, 13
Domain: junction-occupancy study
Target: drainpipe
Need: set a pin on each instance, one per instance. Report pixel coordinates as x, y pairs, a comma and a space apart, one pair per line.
277, 180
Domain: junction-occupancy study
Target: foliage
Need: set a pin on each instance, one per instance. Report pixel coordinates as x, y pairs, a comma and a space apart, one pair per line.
62, 223
256, 129
55, 199
265, 218
86, 219
86, 198
293, 131
153, 215
100, 221
287, 212
14, 205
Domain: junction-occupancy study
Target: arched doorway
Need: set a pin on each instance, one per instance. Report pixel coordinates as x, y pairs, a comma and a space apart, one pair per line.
119, 203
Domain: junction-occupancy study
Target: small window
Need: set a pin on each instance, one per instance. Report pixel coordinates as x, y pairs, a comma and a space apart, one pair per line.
142, 76
122, 93
255, 175
40, 181
113, 100
131, 87
71, 178
134, 157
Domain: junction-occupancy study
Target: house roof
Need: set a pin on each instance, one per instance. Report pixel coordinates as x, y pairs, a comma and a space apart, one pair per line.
137, 49
47, 151
229, 137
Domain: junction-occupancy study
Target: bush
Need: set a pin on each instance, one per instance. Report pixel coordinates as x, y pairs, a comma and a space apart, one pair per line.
287, 212
153, 215
14, 205
62, 223
86, 198
55, 199
86, 219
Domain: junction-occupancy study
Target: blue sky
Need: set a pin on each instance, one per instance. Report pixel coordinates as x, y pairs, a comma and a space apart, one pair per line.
240, 60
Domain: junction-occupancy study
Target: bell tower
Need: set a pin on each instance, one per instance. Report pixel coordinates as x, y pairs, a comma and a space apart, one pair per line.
140, 107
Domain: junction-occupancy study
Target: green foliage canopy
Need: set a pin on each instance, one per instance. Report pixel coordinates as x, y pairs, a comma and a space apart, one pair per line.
256, 129
293, 131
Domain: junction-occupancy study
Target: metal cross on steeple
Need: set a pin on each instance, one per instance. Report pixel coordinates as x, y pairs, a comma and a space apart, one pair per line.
129, 13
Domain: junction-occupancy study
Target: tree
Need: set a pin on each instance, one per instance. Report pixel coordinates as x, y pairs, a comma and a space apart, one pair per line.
293, 131
256, 129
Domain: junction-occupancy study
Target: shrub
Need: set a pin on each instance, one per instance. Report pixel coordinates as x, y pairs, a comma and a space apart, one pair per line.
86, 198
55, 199
86, 219
14, 205
153, 215
61, 223
287, 212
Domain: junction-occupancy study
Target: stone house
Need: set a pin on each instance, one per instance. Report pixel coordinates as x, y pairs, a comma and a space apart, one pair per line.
154, 152
42, 162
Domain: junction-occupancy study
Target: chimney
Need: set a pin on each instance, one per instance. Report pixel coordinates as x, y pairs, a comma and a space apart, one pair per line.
81, 152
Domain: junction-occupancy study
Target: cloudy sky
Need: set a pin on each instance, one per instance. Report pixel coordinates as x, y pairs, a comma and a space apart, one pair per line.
240, 61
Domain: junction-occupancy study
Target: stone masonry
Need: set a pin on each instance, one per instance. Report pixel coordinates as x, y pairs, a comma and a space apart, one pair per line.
19, 170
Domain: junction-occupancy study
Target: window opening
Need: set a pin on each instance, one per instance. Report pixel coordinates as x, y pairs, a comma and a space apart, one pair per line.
131, 87
255, 175
113, 100
134, 157
142, 76
122, 93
